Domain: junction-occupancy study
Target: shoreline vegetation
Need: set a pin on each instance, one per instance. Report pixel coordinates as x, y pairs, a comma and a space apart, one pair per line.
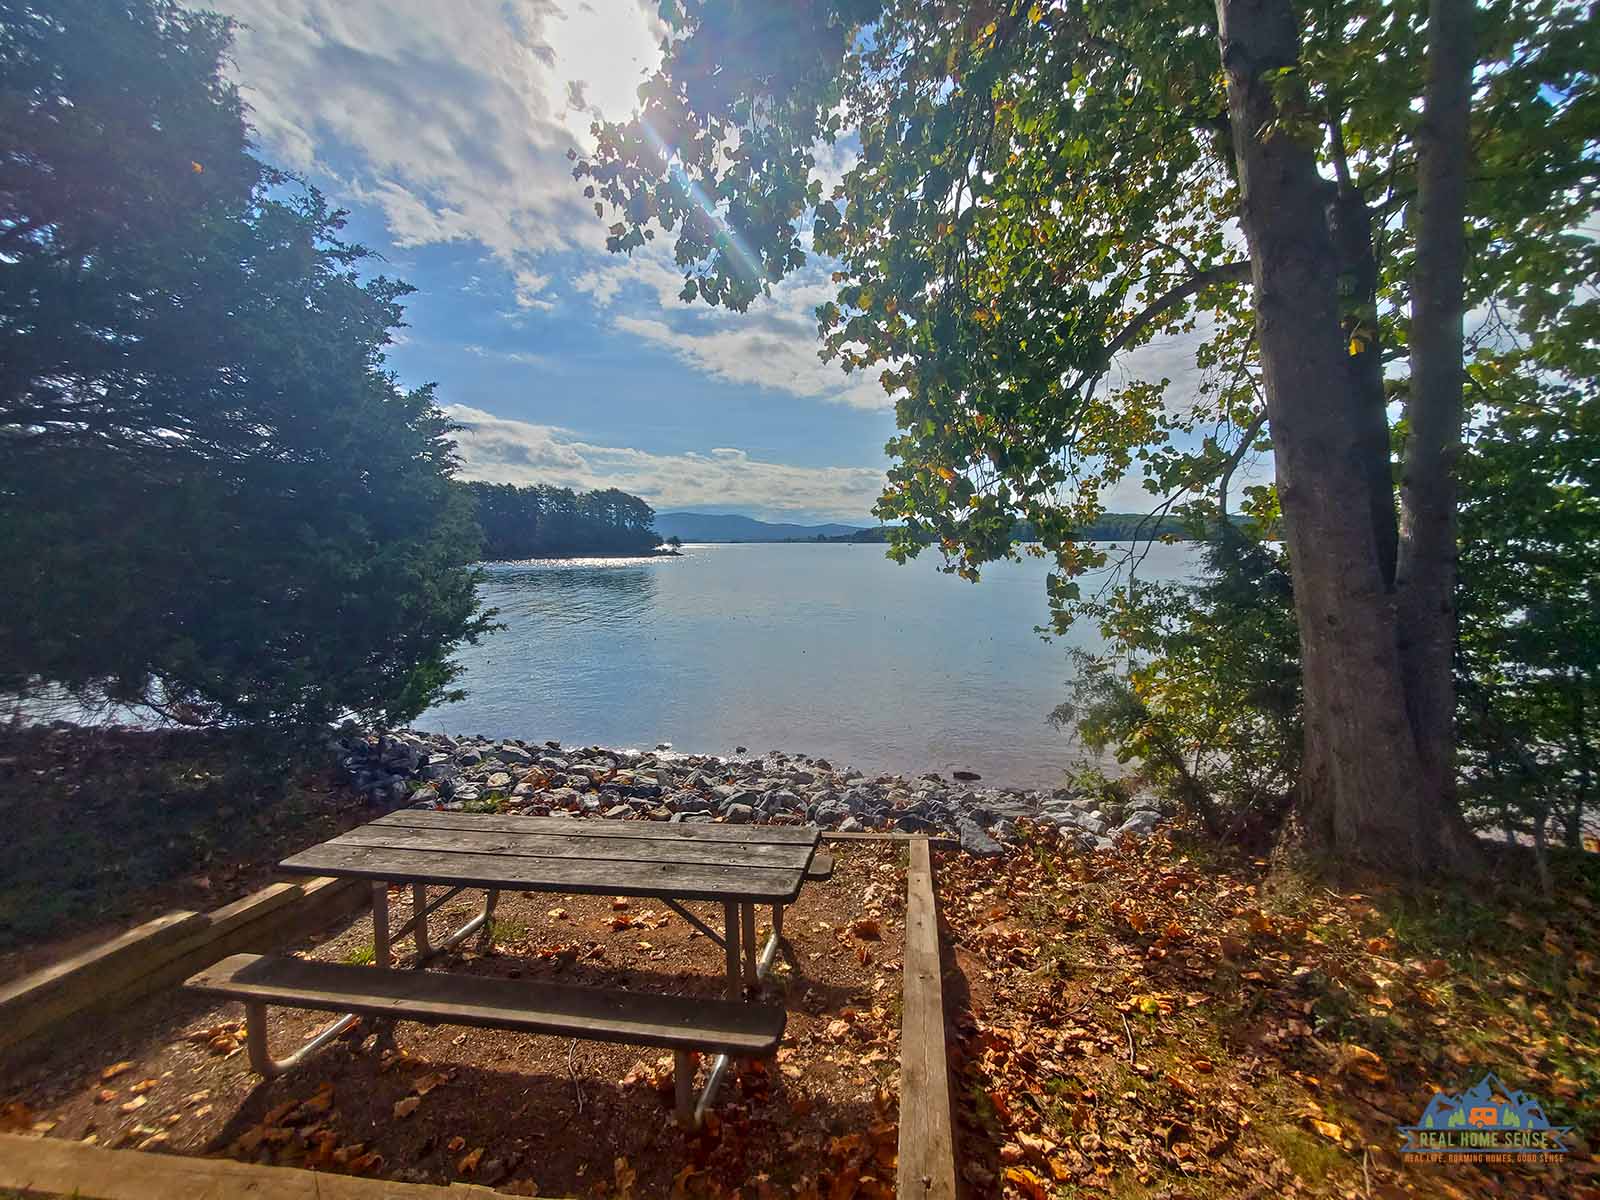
522, 524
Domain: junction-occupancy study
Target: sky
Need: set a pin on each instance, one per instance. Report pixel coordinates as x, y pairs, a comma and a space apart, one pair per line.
443, 126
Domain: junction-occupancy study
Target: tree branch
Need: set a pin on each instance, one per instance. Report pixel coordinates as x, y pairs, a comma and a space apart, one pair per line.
1234, 272
1234, 459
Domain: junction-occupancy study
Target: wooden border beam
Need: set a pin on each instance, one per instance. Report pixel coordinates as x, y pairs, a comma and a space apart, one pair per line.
55, 1166
927, 1133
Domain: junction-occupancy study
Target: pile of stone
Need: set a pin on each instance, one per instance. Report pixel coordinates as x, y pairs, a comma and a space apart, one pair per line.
475, 774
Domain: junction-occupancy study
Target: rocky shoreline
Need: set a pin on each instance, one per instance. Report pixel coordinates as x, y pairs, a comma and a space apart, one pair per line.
415, 769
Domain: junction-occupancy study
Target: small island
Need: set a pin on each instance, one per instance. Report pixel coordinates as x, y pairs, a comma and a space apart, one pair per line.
543, 521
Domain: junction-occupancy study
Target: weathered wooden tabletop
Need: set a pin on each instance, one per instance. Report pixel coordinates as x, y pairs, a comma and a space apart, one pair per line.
740, 864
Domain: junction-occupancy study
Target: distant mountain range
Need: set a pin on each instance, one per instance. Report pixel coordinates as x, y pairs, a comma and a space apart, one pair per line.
728, 527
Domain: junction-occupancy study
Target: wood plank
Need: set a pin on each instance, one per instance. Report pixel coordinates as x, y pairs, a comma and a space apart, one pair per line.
596, 1014
520, 845
571, 876
600, 827
37, 1001
927, 1138
178, 946
55, 1166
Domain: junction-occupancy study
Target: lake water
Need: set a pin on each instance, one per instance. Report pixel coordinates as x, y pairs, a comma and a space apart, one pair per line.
829, 650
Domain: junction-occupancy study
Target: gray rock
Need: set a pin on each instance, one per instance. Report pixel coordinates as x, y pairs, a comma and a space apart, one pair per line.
618, 810
975, 841
1139, 823
738, 814
851, 825
510, 753
499, 780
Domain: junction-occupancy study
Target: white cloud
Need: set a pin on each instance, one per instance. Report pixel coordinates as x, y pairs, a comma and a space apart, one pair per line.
501, 450
530, 286
773, 345
521, 357
453, 119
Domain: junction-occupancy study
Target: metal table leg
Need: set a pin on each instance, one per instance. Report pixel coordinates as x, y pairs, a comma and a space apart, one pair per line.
255, 1013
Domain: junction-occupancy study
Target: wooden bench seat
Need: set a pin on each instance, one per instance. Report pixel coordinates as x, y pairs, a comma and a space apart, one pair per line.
595, 1014
680, 1023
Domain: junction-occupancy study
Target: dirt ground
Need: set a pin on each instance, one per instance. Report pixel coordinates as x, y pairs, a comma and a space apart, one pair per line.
531, 1115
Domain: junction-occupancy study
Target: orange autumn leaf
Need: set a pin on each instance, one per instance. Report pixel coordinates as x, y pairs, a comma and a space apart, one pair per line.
1028, 1183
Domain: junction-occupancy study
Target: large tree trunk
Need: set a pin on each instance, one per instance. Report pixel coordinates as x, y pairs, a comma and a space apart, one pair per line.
1362, 795
1426, 573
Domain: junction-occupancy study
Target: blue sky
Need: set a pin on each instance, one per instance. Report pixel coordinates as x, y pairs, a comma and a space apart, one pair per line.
443, 125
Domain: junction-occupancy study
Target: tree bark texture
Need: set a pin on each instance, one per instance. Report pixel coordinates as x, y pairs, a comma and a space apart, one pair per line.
1426, 571
1361, 794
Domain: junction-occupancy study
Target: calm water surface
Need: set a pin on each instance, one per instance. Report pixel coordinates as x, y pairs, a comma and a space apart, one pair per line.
829, 650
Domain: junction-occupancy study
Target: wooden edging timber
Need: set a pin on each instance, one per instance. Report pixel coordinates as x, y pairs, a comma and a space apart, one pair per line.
166, 951
56, 1167
927, 1168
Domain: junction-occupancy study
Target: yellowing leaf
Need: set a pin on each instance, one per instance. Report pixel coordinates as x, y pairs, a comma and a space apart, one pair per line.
625, 1178
1327, 1129
1030, 1184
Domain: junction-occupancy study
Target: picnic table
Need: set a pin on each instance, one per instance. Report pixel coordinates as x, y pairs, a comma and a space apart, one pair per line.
736, 867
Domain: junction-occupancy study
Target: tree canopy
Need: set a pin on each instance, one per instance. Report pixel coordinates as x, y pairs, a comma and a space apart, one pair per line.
1315, 194
554, 522
214, 499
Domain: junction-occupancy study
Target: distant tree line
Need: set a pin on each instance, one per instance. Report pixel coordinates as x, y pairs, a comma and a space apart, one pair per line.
1107, 527
556, 522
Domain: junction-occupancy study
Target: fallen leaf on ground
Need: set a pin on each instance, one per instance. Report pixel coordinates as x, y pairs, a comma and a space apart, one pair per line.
868, 928
468, 1165
116, 1069
427, 1083
404, 1108
1031, 1185
1327, 1129
625, 1178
